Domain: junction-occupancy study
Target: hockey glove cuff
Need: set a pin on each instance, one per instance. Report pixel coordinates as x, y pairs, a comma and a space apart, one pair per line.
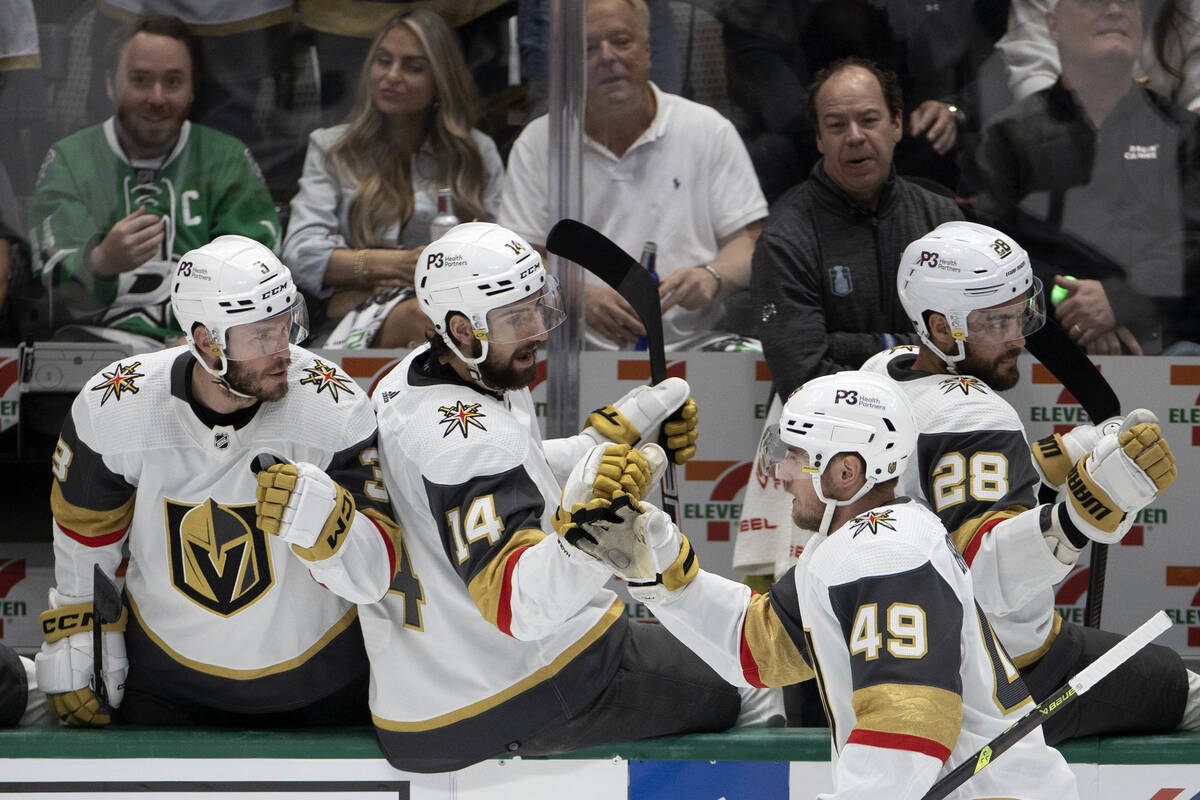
302, 505
637, 417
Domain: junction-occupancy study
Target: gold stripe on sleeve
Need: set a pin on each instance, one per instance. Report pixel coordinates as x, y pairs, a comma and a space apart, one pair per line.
906, 709
779, 661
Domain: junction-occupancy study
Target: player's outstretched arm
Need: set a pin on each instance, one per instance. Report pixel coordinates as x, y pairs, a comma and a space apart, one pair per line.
351, 552
635, 419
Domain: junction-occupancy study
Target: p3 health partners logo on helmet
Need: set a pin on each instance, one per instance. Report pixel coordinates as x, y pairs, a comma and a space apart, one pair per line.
218, 557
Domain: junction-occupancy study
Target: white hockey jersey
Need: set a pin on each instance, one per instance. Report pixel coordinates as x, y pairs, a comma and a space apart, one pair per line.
911, 675
490, 629
975, 470
221, 614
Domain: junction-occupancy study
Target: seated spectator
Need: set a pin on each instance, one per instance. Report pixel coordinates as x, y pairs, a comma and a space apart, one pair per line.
116, 204
823, 274
1169, 61
1099, 177
656, 167
10, 239
369, 188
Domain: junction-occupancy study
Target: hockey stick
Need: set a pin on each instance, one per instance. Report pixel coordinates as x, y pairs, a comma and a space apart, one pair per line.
106, 608
1051, 345
1084, 680
600, 256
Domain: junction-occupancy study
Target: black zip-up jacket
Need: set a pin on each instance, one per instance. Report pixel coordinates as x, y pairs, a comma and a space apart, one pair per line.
823, 277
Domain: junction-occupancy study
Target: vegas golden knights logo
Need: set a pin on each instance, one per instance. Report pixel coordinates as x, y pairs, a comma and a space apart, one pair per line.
219, 558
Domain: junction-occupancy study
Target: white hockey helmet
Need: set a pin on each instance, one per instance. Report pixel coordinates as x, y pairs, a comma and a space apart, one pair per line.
229, 286
480, 270
962, 270
849, 412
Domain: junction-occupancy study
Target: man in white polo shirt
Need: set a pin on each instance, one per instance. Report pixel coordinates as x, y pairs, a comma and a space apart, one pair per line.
656, 167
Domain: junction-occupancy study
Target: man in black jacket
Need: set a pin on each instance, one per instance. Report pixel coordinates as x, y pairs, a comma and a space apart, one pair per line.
824, 272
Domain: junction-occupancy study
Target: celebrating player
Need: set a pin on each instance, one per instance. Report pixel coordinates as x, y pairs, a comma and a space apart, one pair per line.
491, 635
224, 625
881, 611
972, 296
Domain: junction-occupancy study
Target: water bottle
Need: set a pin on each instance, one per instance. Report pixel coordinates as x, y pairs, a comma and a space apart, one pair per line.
445, 219
648, 261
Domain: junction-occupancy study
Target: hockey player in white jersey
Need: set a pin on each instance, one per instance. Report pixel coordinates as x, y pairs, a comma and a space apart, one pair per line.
223, 625
490, 634
972, 296
880, 611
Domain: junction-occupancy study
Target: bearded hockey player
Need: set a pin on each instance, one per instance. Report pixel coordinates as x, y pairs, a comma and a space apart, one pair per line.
880, 611
972, 296
223, 625
491, 635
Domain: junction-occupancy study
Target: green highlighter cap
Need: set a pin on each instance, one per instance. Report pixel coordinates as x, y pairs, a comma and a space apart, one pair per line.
1058, 293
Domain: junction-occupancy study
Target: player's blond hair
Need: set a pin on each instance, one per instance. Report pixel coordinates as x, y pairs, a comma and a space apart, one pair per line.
385, 190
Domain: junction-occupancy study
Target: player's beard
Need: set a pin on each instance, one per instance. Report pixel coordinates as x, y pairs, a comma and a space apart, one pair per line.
504, 377
250, 382
143, 139
990, 372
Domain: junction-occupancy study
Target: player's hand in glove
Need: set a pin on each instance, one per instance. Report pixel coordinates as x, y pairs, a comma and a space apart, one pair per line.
302, 505
1123, 473
605, 472
1057, 453
637, 417
65, 664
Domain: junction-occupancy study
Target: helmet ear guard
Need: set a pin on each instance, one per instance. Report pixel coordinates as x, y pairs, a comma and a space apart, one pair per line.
857, 412
961, 268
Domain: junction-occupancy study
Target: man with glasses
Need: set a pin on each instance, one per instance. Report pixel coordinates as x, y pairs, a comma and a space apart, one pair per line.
222, 625
972, 297
491, 634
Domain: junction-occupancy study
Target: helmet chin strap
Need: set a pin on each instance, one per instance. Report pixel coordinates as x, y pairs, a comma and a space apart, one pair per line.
219, 374
831, 505
472, 363
951, 361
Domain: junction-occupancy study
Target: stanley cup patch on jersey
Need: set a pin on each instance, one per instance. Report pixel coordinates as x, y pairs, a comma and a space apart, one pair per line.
461, 417
840, 282
218, 557
325, 377
963, 383
121, 378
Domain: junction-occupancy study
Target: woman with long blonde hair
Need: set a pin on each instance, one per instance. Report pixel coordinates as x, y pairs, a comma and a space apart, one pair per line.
369, 187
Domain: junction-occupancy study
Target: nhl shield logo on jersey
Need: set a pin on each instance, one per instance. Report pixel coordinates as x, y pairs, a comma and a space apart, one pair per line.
872, 521
219, 559
326, 377
461, 417
122, 378
963, 383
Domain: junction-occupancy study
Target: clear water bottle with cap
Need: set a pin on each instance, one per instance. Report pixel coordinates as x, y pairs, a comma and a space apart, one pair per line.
649, 263
444, 220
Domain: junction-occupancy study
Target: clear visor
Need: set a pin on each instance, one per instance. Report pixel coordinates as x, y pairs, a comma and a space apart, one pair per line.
529, 318
268, 336
1009, 322
782, 461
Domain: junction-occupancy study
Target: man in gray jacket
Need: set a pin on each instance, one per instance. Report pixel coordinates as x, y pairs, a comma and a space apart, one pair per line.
824, 272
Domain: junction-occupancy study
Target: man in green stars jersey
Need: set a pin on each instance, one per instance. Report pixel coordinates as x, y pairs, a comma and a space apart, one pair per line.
116, 204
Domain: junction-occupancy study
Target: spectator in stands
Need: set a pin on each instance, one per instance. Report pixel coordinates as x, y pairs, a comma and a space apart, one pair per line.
117, 203
369, 189
772, 50
221, 624
656, 167
1099, 177
1169, 61
243, 78
823, 277
10, 239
